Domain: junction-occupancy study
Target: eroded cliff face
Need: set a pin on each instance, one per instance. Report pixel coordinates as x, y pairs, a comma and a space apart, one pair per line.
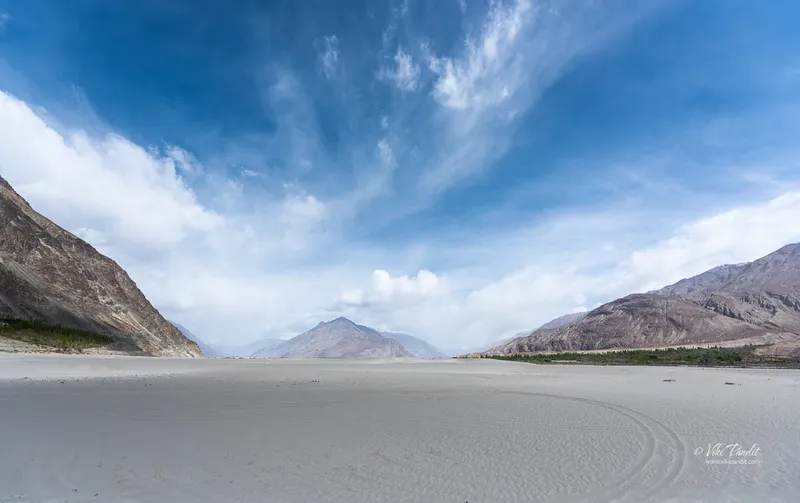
47, 273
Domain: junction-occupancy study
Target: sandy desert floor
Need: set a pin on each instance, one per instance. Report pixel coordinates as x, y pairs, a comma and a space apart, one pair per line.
116, 429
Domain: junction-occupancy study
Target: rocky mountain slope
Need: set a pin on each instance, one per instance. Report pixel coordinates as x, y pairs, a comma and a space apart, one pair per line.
756, 302
778, 272
340, 338
711, 280
562, 321
48, 274
417, 347
765, 292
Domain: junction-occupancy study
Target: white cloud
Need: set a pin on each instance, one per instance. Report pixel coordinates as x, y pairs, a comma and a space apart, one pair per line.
386, 155
330, 56
110, 185
477, 78
423, 285
4, 17
387, 292
404, 73
352, 296
519, 50
221, 271
733, 236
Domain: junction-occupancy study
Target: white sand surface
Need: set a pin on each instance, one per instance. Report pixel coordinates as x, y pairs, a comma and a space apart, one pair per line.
170, 430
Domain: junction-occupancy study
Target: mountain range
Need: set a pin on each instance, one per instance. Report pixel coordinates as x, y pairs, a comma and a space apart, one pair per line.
752, 303
50, 275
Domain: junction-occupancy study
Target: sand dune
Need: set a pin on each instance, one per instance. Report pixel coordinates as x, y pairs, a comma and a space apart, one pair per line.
155, 430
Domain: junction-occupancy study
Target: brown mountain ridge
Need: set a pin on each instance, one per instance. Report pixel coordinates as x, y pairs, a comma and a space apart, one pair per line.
734, 305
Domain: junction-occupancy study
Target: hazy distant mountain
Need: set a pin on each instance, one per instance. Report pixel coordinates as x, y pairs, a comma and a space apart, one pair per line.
260, 345
48, 274
480, 348
205, 348
340, 338
756, 302
417, 347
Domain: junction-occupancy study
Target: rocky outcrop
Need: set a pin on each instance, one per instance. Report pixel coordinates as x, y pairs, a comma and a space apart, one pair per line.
48, 274
340, 338
563, 321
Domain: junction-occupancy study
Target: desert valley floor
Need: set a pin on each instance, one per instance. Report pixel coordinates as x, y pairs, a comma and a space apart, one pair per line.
117, 429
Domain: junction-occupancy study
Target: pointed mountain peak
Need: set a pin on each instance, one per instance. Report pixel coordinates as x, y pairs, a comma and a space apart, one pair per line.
341, 320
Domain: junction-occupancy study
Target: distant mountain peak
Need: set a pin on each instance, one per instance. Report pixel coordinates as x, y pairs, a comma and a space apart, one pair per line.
341, 320
338, 338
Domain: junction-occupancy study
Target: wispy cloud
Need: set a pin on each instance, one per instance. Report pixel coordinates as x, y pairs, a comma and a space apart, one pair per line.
520, 49
4, 18
330, 56
404, 73
481, 76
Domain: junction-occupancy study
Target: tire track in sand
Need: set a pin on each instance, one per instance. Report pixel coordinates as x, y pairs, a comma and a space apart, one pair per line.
638, 474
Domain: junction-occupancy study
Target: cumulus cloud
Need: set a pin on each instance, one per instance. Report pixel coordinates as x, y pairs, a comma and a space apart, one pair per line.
423, 285
107, 185
386, 291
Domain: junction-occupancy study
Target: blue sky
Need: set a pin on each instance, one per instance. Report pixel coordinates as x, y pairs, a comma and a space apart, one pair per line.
460, 170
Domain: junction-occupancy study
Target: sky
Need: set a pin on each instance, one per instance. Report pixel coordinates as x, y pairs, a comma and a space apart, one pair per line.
460, 170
